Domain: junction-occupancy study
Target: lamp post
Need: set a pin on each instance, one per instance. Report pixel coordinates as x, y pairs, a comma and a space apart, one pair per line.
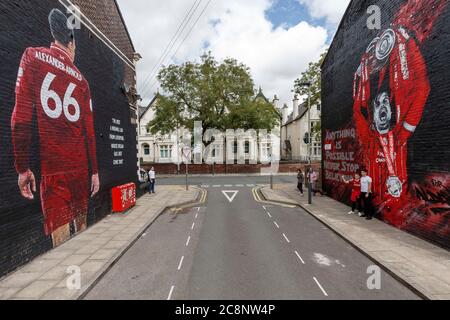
309, 140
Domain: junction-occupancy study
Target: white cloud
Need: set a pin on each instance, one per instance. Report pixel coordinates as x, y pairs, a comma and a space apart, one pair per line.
240, 30
331, 10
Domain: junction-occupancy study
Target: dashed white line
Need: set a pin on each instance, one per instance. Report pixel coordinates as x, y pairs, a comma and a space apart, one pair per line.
217, 186
298, 255
205, 186
239, 186
251, 185
288, 241
264, 207
320, 286
228, 185
171, 292
198, 210
276, 224
268, 213
196, 216
193, 226
181, 263
188, 240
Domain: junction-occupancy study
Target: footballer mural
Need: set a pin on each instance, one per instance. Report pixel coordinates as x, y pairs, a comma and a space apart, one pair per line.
391, 89
67, 131
50, 86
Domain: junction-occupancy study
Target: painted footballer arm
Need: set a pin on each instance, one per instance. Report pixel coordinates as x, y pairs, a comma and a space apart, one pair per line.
361, 95
415, 99
21, 126
419, 16
91, 144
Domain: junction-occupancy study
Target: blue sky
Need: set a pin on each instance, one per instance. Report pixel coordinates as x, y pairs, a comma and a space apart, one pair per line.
288, 13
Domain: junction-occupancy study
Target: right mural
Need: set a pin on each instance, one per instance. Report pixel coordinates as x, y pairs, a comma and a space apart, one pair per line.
386, 109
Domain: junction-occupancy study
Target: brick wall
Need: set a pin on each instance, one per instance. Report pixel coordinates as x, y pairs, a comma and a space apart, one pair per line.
386, 109
26, 229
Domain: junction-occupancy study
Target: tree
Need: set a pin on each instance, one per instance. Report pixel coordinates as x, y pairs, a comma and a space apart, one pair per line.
312, 75
220, 95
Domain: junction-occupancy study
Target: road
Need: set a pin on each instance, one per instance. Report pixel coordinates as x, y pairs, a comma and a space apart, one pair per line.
242, 250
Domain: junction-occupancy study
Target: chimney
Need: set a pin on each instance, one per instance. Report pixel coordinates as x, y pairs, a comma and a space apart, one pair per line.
276, 102
285, 113
296, 103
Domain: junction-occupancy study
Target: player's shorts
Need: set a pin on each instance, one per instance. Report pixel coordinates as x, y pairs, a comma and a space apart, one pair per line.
64, 197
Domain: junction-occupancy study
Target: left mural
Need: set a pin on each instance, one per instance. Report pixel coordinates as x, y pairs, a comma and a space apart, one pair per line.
60, 158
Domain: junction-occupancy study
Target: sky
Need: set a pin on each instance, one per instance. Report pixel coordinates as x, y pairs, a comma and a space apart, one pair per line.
276, 39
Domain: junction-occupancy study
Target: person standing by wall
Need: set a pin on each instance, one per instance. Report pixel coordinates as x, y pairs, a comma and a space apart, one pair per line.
300, 180
355, 184
366, 195
152, 178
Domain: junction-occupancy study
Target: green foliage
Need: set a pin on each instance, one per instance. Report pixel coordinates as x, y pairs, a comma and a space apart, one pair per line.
220, 95
313, 76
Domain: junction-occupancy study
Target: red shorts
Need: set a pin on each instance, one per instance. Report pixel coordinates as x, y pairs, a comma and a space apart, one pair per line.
355, 195
64, 197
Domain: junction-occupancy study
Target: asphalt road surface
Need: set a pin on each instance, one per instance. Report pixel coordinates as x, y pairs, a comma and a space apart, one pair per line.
235, 248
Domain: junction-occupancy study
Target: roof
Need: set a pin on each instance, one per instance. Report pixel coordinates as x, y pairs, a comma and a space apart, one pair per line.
143, 110
303, 109
261, 95
125, 25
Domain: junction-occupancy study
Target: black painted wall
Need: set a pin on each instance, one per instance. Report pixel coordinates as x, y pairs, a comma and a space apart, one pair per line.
424, 208
23, 24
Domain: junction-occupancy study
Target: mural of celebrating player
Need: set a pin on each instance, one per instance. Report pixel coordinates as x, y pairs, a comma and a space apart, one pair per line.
50, 86
390, 91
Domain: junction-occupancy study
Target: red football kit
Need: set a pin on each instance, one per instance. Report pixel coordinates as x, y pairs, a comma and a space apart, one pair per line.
356, 189
50, 86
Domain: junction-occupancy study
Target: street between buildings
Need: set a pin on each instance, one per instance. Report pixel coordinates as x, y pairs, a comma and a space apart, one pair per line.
237, 248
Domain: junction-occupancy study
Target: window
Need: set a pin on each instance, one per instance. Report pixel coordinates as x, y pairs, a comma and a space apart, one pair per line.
316, 149
319, 107
266, 150
146, 148
165, 152
235, 147
247, 147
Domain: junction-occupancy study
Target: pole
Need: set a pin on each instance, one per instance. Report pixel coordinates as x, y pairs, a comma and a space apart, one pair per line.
271, 181
178, 150
187, 172
309, 146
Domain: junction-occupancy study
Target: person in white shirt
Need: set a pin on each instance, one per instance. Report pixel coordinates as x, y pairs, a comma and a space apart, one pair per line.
152, 178
366, 195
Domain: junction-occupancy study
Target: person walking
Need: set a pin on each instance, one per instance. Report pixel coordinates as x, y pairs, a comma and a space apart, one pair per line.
300, 180
366, 195
356, 200
152, 179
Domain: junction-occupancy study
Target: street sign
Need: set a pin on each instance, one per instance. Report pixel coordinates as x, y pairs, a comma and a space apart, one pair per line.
187, 152
230, 195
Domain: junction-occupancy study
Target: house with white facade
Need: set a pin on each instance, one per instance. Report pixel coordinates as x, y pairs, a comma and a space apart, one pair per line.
295, 127
169, 148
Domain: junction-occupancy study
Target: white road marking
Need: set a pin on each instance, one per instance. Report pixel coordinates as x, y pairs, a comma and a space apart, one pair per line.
264, 207
288, 241
181, 263
188, 240
320, 286
233, 193
217, 186
228, 185
205, 186
276, 224
196, 216
251, 185
239, 185
193, 226
171, 292
268, 213
198, 210
298, 255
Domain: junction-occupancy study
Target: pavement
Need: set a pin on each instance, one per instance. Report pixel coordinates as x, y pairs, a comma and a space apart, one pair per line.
238, 247
419, 264
92, 252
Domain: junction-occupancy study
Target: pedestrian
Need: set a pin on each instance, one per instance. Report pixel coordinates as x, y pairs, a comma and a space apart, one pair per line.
355, 184
366, 195
314, 179
300, 180
152, 179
